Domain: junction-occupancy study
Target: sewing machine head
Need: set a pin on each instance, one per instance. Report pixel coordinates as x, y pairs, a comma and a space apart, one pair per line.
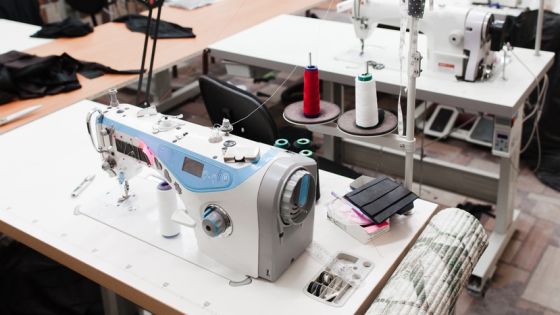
253, 204
461, 40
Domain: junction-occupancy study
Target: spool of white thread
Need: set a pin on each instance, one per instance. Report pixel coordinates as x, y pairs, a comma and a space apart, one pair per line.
367, 115
167, 204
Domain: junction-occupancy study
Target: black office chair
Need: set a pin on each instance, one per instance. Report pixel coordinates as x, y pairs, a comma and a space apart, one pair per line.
224, 100
91, 7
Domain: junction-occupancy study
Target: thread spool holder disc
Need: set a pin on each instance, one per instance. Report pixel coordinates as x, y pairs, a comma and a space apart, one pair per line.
347, 124
293, 114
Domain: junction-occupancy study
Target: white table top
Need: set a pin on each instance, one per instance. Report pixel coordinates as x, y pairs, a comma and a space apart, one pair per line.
285, 41
46, 159
16, 36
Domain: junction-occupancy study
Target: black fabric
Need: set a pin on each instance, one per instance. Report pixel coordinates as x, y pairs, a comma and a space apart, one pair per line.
26, 11
139, 23
31, 283
523, 35
381, 198
28, 76
70, 27
477, 210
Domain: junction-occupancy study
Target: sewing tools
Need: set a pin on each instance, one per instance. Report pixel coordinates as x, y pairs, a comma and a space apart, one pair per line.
82, 186
9, 118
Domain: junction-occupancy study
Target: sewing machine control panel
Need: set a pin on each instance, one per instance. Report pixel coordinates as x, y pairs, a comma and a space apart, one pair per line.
182, 149
501, 145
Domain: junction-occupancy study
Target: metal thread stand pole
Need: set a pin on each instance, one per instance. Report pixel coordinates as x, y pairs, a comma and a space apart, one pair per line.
146, 38
540, 20
413, 72
150, 72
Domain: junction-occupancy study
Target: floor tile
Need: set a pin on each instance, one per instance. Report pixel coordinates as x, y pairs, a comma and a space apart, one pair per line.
507, 274
463, 303
502, 301
544, 286
530, 253
525, 223
529, 307
529, 182
547, 211
511, 250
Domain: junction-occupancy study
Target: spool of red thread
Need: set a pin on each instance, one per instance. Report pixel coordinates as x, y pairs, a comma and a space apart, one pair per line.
311, 97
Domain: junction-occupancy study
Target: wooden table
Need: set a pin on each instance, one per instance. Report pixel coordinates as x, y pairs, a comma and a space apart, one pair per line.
36, 209
112, 44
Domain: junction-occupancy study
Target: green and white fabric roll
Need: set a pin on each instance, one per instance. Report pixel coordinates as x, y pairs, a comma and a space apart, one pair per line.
435, 270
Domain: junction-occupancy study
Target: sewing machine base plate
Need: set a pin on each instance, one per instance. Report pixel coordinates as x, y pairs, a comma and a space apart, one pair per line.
138, 217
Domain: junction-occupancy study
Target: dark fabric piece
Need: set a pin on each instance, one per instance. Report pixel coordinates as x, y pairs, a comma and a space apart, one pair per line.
139, 23
70, 27
28, 76
477, 210
31, 283
523, 35
381, 198
26, 11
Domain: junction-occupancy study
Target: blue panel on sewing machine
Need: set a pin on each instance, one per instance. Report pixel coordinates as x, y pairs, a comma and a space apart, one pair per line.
195, 172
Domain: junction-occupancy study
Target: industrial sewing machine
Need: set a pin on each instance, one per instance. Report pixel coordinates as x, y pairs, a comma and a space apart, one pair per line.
251, 205
461, 40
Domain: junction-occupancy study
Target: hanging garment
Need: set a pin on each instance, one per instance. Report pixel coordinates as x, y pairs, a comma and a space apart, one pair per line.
31, 283
28, 76
70, 27
139, 23
543, 152
25, 11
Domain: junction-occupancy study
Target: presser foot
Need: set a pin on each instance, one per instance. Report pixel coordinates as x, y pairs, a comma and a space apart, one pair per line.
125, 195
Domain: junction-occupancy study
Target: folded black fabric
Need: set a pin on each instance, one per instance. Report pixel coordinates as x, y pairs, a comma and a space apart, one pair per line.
28, 76
381, 198
139, 23
70, 27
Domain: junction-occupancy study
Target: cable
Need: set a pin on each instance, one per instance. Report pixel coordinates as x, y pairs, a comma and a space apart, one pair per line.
450, 131
284, 82
269, 98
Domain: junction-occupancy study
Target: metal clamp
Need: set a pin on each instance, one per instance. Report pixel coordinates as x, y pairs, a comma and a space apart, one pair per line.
408, 146
416, 64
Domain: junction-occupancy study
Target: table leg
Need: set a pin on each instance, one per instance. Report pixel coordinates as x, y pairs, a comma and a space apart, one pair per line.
114, 304
505, 214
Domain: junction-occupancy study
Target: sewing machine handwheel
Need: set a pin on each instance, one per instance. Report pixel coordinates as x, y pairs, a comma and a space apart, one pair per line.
298, 198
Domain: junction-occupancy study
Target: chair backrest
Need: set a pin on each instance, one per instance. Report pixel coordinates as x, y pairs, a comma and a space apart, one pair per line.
87, 6
224, 100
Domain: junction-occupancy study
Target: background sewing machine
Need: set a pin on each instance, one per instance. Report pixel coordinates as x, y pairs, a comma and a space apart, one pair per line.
251, 205
461, 40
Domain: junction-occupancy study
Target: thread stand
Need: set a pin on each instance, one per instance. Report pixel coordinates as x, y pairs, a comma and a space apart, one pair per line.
387, 124
293, 114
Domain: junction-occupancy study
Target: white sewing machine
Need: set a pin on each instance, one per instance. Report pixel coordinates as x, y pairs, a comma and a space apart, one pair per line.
460, 40
251, 205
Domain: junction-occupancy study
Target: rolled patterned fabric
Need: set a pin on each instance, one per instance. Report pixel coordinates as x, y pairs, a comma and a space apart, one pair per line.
434, 271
